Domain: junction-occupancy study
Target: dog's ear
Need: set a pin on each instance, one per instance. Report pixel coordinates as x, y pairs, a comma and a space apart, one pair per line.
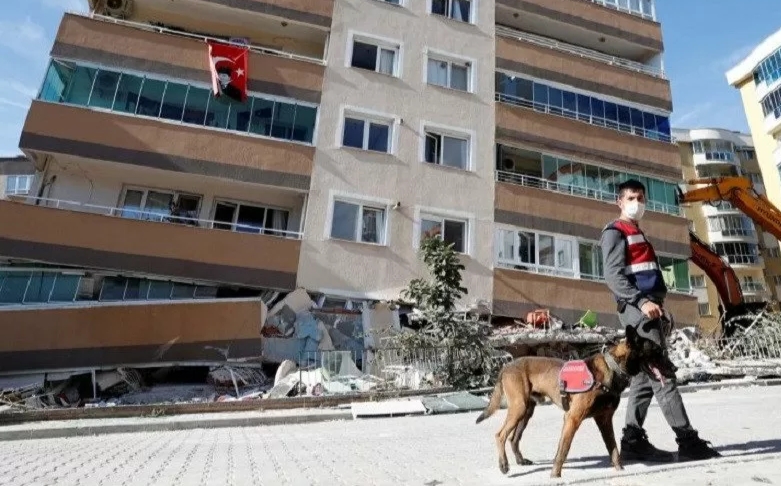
631, 336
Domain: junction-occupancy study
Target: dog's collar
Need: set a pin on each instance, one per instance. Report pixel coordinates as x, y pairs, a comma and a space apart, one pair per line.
619, 379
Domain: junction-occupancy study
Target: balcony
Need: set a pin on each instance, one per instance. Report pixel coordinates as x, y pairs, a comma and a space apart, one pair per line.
89, 335
538, 209
181, 247
118, 138
263, 21
517, 292
137, 47
536, 126
586, 23
585, 69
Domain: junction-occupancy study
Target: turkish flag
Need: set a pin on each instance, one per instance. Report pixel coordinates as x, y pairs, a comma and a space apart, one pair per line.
228, 65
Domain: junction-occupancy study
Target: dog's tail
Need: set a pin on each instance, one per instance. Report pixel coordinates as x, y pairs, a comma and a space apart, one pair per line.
495, 403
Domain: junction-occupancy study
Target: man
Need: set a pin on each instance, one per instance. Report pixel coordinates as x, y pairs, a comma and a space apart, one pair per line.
633, 275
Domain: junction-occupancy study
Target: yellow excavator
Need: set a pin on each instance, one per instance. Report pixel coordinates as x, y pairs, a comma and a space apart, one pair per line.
739, 192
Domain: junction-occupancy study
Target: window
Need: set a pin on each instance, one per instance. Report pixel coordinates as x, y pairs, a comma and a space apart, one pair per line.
738, 253
449, 74
367, 134
697, 281
180, 102
369, 55
589, 109
455, 9
250, 218
545, 253
751, 286
715, 149
451, 231
769, 70
771, 104
703, 308
675, 272
392, 2
358, 222
24, 287
446, 150
123, 288
160, 205
16, 185
590, 256
732, 225
534, 169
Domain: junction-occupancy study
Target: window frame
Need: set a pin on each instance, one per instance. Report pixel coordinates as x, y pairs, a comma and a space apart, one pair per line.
381, 43
29, 178
239, 202
695, 279
443, 217
429, 129
537, 267
700, 309
368, 116
450, 59
146, 190
361, 202
472, 11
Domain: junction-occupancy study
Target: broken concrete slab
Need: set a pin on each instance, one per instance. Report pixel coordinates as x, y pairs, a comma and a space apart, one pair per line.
389, 408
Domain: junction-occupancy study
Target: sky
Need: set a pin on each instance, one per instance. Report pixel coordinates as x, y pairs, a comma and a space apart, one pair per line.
703, 39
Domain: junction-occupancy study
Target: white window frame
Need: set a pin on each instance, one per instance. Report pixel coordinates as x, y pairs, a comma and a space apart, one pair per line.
392, 121
697, 281
360, 201
239, 203
536, 267
451, 132
472, 12
450, 59
382, 43
434, 216
700, 309
402, 3
146, 190
15, 190
426, 212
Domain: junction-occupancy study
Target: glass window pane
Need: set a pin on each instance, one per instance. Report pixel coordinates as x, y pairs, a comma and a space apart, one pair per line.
454, 234
262, 113
624, 118
527, 247
56, 83
584, 108
387, 61
437, 72
460, 10
663, 125
454, 152
173, 101
433, 148
540, 93
195, 106
41, 284
182, 291
459, 77
284, 117
439, 7
113, 288
430, 228
240, 114
506, 245
304, 128
151, 97
547, 251
353, 133
128, 93
378, 137
13, 287
104, 89
598, 110
555, 97
364, 56
133, 289
372, 225
564, 258
81, 85
217, 111
131, 205
344, 221
611, 113
570, 103
251, 219
586, 259
159, 290
157, 205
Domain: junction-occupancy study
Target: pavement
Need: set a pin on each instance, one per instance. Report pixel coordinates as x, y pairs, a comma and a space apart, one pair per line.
430, 450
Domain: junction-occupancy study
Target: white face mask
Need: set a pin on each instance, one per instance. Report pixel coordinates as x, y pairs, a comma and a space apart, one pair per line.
634, 210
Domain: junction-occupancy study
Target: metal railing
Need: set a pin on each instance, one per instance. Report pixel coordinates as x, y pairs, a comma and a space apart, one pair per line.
583, 117
614, 6
505, 31
578, 191
158, 217
165, 30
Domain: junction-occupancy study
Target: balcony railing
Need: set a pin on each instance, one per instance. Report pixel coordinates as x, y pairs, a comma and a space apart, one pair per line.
642, 9
159, 217
179, 33
578, 191
752, 287
579, 51
584, 117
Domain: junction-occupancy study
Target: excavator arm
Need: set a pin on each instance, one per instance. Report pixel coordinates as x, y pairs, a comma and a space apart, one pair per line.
720, 273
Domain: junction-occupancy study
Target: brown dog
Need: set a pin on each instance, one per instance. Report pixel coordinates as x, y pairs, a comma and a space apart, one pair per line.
527, 381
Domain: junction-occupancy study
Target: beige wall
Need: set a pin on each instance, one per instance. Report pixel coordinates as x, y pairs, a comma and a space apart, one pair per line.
382, 271
764, 144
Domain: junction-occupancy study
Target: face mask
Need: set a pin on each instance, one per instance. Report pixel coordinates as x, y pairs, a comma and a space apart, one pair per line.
634, 210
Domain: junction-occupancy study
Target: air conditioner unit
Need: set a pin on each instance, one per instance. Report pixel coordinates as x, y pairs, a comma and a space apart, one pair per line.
117, 8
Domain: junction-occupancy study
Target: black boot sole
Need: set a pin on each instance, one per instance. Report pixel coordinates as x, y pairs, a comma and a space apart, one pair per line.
637, 457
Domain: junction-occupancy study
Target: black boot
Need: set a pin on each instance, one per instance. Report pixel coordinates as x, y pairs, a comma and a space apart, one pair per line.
636, 447
692, 448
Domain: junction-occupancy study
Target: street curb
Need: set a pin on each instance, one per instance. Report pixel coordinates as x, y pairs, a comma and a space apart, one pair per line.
169, 426
213, 423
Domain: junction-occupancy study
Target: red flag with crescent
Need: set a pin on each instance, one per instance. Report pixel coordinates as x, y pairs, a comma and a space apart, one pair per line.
228, 65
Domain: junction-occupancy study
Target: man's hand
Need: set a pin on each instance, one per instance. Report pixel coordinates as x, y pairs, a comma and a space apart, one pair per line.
651, 310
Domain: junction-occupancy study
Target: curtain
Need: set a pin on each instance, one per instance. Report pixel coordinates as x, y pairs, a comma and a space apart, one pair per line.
437, 72
387, 57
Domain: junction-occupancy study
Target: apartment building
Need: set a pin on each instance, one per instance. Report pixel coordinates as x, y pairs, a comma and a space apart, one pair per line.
16, 176
752, 253
503, 127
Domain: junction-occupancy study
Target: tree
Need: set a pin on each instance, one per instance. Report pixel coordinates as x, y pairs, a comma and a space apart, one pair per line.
467, 355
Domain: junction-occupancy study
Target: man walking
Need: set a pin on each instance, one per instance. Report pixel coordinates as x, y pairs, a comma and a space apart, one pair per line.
633, 275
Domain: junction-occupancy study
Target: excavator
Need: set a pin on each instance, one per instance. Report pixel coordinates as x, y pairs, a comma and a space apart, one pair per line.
741, 194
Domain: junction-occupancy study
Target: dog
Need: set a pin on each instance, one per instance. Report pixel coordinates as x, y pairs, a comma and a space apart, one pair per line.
527, 381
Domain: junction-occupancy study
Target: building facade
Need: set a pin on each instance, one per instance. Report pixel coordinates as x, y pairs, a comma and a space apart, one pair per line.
752, 253
502, 126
